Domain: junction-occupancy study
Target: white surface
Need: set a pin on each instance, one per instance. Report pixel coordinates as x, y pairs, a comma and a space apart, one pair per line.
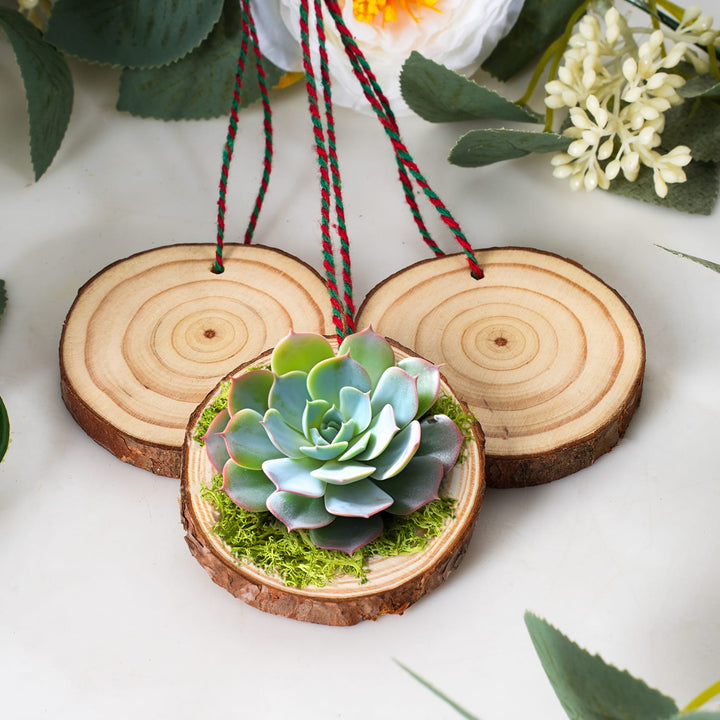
105, 614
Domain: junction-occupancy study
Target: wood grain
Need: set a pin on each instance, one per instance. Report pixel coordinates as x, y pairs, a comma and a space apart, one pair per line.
548, 357
393, 584
149, 336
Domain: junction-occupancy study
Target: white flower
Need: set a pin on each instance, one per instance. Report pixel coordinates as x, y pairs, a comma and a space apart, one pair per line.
459, 34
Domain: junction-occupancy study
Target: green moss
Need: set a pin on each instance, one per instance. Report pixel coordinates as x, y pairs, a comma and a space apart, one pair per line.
208, 415
261, 539
462, 417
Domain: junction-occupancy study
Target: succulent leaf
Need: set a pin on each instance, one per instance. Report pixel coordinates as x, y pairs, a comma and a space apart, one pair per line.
313, 414
247, 488
398, 453
215, 444
299, 351
414, 486
440, 438
298, 512
398, 389
247, 441
360, 499
381, 431
356, 447
328, 377
428, 381
371, 350
294, 476
347, 534
355, 406
288, 396
342, 473
324, 452
330, 424
282, 436
250, 390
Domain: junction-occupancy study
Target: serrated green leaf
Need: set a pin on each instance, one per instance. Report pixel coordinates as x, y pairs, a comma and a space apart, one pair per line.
695, 123
484, 147
461, 711
4, 430
131, 33
3, 297
438, 94
700, 261
48, 87
587, 687
200, 85
696, 195
540, 23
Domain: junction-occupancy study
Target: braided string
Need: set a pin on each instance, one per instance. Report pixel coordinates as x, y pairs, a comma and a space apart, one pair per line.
338, 314
381, 106
248, 33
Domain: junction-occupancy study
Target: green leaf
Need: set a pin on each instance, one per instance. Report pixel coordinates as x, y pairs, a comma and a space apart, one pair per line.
540, 23
438, 94
48, 87
700, 261
695, 123
587, 687
705, 86
461, 711
133, 33
696, 195
484, 147
4, 430
201, 84
3, 297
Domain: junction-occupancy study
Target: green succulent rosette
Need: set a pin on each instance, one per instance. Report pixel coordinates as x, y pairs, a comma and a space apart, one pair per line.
330, 442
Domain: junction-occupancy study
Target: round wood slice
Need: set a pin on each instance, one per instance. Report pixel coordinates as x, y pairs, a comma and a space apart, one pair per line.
394, 583
149, 336
549, 358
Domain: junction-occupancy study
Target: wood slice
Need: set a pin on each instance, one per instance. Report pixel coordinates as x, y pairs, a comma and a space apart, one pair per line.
394, 583
149, 336
549, 358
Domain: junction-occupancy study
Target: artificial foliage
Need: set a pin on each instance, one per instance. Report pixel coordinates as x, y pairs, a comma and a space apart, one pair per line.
4, 420
334, 444
633, 110
588, 688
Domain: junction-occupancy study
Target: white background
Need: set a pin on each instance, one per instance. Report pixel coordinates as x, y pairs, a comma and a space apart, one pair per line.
103, 611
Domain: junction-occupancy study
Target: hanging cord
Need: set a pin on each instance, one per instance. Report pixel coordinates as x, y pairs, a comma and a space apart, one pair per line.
381, 106
340, 313
247, 33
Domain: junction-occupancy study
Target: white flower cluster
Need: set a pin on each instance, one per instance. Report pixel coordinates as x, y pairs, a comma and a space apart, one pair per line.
618, 93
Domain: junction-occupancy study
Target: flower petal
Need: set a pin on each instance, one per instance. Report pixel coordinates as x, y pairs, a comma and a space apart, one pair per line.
282, 436
215, 445
250, 390
249, 489
428, 381
294, 476
398, 453
299, 351
289, 396
342, 473
414, 486
247, 441
324, 452
347, 534
327, 378
398, 389
380, 433
355, 406
296, 511
440, 438
361, 499
371, 350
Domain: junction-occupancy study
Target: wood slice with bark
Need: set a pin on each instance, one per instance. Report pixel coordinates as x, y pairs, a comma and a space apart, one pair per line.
548, 357
394, 583
149, 336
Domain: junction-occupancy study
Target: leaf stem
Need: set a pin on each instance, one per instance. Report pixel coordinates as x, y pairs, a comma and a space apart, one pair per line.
708, 693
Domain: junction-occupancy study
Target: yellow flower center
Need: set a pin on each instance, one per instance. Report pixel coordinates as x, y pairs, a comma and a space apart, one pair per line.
368, 10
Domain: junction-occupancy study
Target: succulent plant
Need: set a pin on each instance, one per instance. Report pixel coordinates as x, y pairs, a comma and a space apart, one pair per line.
329, 442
